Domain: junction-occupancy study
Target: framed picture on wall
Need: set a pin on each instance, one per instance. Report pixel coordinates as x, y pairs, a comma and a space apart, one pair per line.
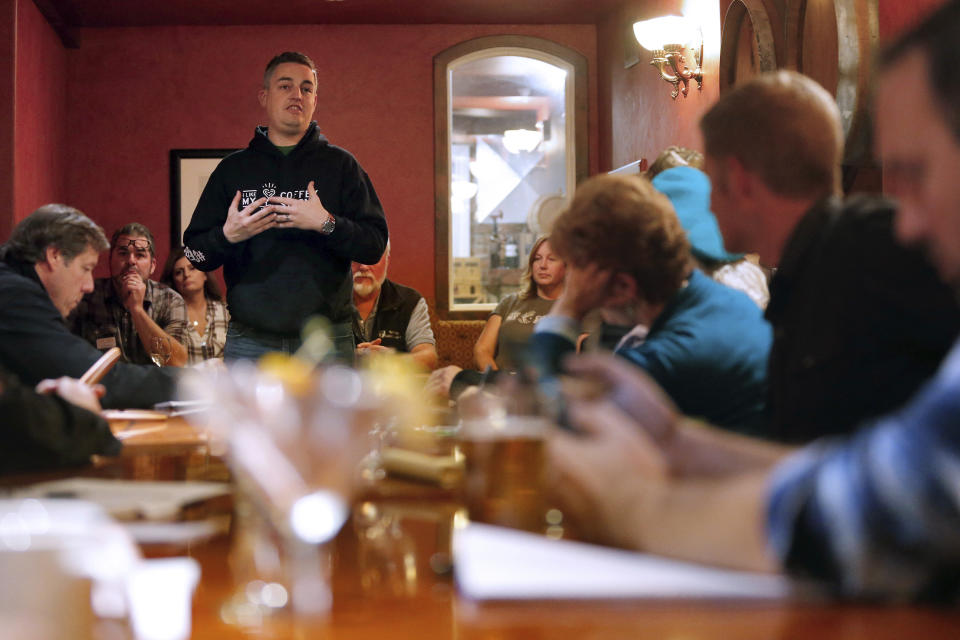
189, 171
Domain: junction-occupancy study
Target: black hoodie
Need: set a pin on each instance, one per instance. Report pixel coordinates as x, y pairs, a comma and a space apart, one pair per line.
279, 278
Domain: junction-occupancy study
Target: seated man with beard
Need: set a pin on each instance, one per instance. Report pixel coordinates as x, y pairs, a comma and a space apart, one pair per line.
389, 317
128, 309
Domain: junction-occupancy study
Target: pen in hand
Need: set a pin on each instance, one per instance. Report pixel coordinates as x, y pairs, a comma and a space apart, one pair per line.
98, 369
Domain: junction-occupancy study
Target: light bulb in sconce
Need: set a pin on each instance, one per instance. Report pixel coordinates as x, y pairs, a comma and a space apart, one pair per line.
668, 37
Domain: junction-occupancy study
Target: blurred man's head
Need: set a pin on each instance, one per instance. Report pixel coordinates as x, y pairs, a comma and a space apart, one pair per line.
918, 136
776, 137
368, 278
132, 251
623, 224
63, 245
783, 127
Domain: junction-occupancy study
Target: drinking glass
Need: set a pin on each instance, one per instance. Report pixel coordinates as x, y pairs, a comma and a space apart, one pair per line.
503, 440
160, 350
386, 553
294, 438
505, 463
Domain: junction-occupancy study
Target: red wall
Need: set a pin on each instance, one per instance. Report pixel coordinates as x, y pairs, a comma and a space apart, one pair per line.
40, 113
643, 119
136, 93
8, 75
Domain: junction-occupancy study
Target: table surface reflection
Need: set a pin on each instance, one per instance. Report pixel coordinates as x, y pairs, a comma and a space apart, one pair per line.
372, 599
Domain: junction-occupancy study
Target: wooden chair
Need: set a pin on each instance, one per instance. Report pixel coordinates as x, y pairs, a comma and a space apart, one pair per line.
455, 339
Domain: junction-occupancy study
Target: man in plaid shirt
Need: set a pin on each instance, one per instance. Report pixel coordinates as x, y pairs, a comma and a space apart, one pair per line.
128, 309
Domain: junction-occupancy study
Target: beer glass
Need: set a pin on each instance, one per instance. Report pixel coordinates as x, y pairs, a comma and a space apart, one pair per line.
505, 460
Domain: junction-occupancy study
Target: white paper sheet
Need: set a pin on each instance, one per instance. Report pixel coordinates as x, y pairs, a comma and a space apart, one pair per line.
128, 499
494, 563
180, 533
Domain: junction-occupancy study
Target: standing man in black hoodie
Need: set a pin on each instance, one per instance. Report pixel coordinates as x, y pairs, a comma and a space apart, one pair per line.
285, 217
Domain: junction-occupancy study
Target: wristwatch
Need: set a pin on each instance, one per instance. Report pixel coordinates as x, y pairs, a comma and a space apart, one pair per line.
329, 225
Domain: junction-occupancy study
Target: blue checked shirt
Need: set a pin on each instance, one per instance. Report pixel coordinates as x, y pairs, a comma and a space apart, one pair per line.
879, 515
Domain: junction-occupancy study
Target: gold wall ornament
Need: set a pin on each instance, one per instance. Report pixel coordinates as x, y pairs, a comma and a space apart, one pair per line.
668, 37
671, 63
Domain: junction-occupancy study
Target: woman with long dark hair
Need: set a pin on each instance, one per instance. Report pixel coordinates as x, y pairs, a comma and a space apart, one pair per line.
206, 311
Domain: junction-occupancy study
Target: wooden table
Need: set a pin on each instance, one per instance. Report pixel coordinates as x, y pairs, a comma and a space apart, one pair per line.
372, 601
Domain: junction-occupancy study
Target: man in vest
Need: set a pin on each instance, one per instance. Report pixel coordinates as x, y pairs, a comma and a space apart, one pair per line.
389, 317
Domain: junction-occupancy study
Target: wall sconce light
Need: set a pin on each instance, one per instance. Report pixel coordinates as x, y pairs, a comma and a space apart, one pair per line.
667, 38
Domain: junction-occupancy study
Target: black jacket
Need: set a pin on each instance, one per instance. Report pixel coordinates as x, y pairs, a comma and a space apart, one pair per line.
394, 308
859, 321
35, 344
279, 278
42, 432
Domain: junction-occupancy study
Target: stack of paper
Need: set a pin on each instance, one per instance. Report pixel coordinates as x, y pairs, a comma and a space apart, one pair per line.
493, 563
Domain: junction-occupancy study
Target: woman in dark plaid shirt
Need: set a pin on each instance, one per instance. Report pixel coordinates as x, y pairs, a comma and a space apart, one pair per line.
206, 311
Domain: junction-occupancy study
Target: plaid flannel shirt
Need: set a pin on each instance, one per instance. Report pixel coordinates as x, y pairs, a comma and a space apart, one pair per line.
103, 321
210, 344
879, 515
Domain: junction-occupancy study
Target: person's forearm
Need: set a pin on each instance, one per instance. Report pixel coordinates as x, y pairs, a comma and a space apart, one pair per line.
484, 359
718, 521
147, 329
697, 449
486, 345
425, 355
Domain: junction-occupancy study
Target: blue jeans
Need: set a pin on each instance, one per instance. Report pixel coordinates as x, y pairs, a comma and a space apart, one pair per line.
246, 343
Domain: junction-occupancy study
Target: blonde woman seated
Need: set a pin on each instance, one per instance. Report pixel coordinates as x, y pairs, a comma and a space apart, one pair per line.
510, 325
206, 312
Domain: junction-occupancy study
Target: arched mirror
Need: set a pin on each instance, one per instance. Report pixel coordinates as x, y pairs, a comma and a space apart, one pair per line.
510, 147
